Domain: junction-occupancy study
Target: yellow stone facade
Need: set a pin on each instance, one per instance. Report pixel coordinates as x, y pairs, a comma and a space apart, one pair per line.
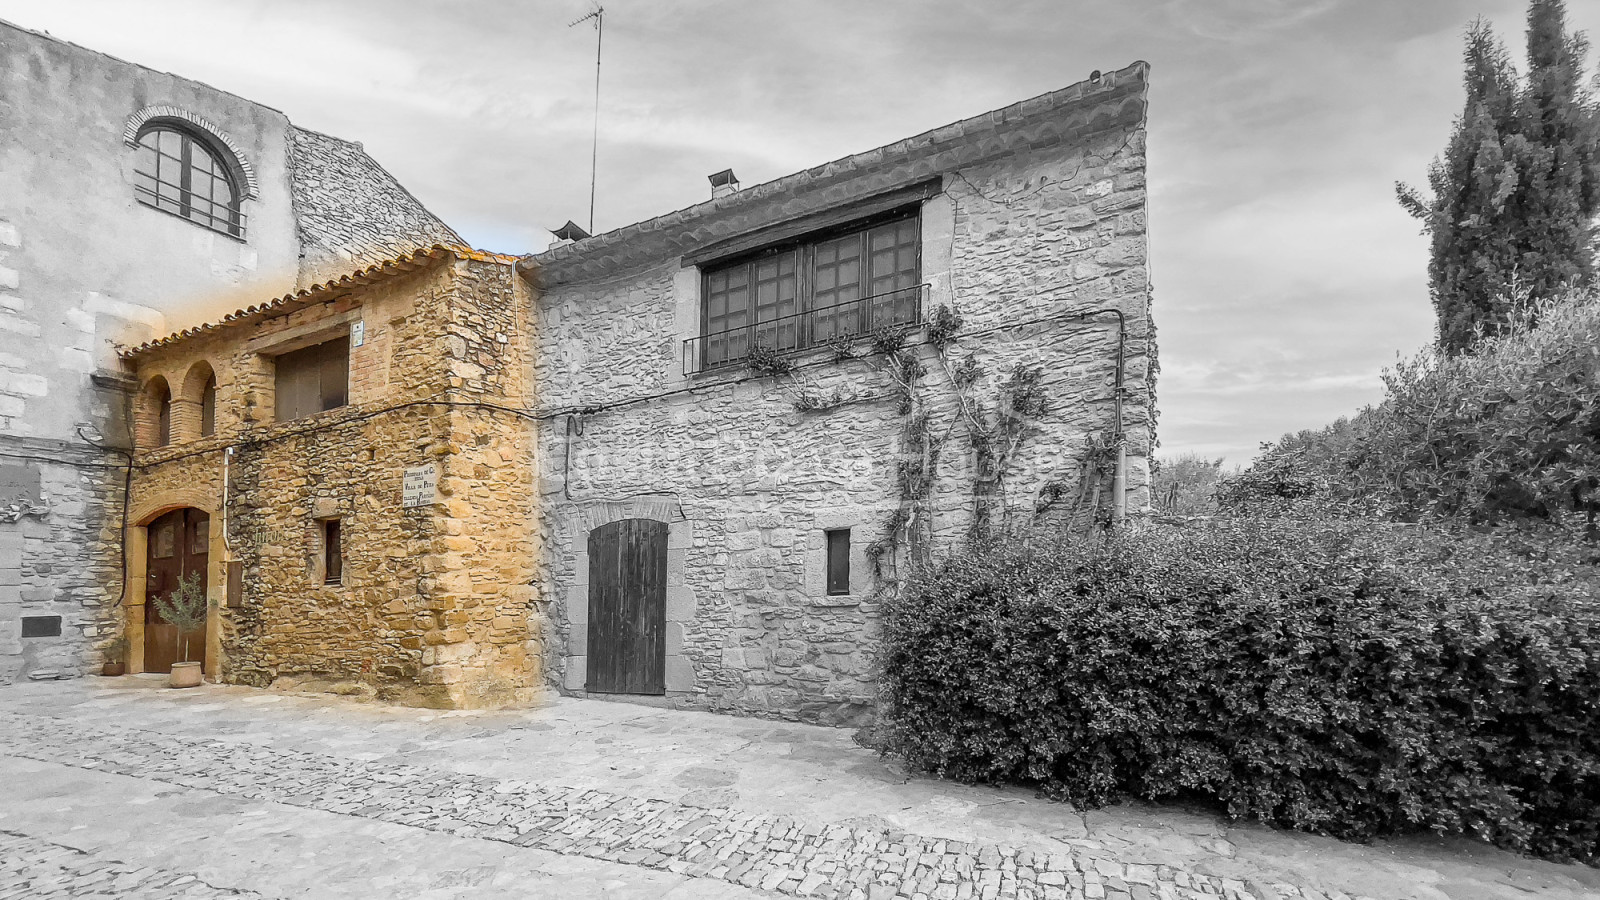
435, 604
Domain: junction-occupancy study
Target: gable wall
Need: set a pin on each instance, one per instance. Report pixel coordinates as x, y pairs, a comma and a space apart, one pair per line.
749, 483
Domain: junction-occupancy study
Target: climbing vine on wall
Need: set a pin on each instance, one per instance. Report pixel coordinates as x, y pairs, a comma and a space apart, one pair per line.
995, 431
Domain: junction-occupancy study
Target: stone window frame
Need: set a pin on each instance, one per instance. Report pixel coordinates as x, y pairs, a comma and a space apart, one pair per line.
323, 511
816, 559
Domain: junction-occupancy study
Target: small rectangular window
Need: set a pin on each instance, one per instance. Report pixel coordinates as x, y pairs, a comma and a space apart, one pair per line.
41, 626
838, 561
332, 553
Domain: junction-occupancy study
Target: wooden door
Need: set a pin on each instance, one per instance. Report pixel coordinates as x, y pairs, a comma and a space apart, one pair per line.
628, 608
178, 545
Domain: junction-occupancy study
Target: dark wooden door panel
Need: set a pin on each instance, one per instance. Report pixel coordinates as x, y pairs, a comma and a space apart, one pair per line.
178, 544
627, 607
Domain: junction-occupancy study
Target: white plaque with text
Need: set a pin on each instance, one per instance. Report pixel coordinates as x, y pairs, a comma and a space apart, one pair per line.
421, 486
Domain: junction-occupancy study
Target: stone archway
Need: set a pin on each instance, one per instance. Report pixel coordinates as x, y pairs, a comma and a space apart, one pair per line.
587, 518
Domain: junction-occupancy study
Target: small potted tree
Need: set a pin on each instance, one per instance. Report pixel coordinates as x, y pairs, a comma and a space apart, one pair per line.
184, 607
115, 661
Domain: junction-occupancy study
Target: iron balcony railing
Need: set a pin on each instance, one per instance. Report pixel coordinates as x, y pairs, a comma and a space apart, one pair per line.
805, 330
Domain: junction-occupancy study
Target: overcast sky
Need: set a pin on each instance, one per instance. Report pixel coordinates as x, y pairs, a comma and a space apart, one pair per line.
1286, 276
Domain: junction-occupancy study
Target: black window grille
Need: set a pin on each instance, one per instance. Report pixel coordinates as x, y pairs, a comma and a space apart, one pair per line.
179, 174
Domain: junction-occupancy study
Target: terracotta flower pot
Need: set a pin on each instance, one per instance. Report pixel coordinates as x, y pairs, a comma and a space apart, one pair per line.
113, 669
184, 674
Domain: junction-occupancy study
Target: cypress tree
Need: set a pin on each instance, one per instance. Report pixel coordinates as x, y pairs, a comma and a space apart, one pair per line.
1518, 187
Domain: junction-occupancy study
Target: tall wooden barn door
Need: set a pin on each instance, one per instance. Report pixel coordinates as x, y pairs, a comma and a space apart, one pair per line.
178, 543
628, 608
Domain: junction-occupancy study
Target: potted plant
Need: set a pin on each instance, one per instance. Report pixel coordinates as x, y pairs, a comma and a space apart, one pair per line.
184, 607
116, 657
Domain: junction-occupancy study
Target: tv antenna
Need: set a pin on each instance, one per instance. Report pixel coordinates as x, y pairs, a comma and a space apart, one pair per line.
598, 14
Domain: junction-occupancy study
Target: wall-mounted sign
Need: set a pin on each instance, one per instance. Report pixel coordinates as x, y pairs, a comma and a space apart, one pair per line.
421, 486
358, 332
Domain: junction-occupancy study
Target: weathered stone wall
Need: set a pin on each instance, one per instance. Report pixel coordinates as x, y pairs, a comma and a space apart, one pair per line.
434, 607
57, 510
350, 211
85, 267
1033, 248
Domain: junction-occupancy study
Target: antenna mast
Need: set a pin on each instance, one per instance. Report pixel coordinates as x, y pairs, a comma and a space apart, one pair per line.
598, 15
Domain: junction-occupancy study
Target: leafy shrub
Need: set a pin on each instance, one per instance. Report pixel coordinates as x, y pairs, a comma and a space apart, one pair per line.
1341, 677
1184, 485
764, 360
1509, 432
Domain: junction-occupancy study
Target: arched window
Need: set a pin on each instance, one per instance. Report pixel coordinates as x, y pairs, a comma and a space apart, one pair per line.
181, 174
208, 407
163, 415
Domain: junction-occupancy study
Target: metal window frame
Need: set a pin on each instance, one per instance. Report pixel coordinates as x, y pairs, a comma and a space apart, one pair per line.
231, 223
804, 246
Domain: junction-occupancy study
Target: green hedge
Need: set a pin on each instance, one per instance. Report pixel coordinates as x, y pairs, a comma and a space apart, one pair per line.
1506, 433
1347, 678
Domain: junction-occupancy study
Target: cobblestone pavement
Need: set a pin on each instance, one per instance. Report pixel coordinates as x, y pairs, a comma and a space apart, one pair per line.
771, 853
40, 870
311, 796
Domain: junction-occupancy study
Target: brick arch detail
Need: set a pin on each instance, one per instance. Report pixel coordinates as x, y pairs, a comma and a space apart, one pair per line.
147, 410
147, 510
194, 381
130, 136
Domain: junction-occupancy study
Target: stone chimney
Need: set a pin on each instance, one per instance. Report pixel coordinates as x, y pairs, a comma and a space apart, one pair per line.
723, 183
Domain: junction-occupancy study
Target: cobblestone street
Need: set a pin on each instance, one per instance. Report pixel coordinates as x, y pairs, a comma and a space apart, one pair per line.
134, 791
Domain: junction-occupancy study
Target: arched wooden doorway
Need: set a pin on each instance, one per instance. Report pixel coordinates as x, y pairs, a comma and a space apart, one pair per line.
628, 608
178, 544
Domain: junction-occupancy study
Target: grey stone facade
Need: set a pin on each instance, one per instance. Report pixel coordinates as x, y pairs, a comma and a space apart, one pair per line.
86, 268
1033, 230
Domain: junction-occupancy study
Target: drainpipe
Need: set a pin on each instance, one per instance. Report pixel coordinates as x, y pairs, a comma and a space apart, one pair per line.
1119, 480
227, 457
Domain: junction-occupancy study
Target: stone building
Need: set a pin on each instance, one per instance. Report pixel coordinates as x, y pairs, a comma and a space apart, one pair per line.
758, 410
129, 197
291, 496
680, 460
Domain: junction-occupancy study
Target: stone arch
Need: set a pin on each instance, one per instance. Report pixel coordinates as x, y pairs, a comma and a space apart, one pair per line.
191, 404
220, 142
152, 414
147, 509
657, 507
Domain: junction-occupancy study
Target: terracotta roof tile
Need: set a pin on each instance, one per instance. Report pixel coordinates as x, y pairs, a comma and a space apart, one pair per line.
377, 272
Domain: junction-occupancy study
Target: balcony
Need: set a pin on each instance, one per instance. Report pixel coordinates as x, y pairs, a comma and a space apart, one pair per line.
805, 330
